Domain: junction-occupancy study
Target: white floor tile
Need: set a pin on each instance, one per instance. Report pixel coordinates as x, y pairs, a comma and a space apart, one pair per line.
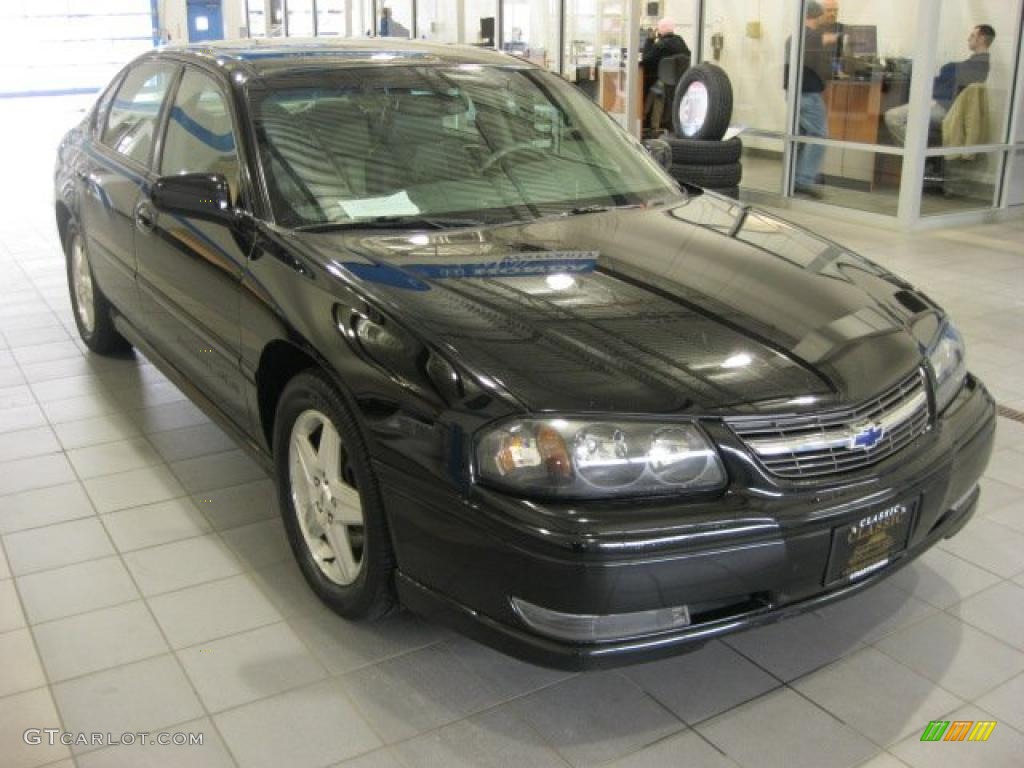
597, 717
26, 443
190, 442
20, 670
782, 729
11, 615
999, 610
963, 660
309, 727
145, 696
240, 504
19, 713
259, 545
76, 589
1005, 702
210, 611
702, 683
876, 695
989, 545
41, 549
45, 506
111, 458
181, 564
219, 470
495, 739
99, 640
36, 472
687, 748
133, 489
942, 579
154, 524
249, 666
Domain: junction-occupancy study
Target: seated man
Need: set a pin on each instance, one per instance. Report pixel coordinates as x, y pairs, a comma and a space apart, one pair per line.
665, 43
953, 78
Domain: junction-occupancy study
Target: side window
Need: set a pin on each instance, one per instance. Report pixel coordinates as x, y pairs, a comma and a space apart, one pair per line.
200, 138
133, 116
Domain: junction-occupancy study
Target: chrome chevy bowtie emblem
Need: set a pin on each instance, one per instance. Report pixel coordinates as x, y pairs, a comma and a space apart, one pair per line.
866, 436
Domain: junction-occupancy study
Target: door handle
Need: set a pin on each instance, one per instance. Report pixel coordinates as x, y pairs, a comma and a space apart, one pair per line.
145, 217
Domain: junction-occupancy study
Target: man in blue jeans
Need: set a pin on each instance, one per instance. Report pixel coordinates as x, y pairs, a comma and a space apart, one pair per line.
817, 69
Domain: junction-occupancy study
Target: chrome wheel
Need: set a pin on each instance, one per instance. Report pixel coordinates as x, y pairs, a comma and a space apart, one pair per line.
81, 283
326, 502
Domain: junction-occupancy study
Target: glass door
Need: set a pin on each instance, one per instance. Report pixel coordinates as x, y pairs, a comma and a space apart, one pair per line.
598, 49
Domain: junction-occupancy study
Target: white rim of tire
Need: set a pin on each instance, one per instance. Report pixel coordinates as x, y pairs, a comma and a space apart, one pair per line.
81, 283
329, 510
693, 108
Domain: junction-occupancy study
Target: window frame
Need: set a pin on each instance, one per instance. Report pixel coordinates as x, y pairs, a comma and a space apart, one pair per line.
174, 68
246, 196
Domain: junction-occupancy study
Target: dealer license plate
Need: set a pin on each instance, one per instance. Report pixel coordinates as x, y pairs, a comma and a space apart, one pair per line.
869, 543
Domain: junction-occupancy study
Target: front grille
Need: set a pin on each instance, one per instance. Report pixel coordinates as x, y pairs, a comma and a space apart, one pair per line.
837, 442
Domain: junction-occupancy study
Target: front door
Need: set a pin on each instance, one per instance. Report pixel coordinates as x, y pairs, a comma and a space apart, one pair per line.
189, 270
205, 21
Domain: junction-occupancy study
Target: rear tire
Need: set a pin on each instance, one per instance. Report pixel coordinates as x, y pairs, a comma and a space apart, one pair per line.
93, 312
330, 500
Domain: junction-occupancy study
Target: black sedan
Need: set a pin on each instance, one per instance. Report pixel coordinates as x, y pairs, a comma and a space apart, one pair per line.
504, 369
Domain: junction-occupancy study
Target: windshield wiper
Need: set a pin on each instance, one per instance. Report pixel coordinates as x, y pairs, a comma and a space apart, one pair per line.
584, 209
392, 222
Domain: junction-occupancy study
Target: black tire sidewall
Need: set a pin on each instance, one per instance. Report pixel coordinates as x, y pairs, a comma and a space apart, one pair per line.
104, 338
714, 176
371, 595
697, 152
719, 112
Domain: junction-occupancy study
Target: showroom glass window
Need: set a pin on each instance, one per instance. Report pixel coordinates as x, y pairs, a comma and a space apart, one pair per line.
200, 137
131, 122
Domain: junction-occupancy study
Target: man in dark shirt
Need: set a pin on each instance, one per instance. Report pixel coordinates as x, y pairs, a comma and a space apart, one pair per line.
816, 72
952, 78
665, 43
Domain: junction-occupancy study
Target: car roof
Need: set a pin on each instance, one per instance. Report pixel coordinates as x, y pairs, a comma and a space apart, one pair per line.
265, 57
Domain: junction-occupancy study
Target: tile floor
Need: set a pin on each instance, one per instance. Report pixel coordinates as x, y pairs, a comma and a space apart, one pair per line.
140, 591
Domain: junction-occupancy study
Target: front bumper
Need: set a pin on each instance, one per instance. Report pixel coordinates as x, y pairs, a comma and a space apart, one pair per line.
757, 554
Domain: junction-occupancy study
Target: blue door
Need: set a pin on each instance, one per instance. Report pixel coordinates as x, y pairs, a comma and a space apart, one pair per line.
204, 20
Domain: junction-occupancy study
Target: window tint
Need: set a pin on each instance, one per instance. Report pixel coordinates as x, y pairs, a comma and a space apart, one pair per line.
132, 120
199, 137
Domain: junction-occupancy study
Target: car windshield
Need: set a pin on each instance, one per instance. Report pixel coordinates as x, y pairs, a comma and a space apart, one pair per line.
443, 146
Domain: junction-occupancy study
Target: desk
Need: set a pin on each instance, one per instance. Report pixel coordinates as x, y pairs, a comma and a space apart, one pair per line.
854, 112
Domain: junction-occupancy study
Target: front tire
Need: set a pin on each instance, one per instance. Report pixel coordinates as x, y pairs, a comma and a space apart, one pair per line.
91, 308
330, 500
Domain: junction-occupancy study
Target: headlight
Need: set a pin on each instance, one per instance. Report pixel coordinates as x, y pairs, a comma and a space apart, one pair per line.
948, 361
573, 458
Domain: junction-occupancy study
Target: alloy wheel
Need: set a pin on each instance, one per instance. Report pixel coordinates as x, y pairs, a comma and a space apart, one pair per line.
325, 499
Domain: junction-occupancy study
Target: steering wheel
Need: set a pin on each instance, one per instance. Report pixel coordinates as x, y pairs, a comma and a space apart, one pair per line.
522, 147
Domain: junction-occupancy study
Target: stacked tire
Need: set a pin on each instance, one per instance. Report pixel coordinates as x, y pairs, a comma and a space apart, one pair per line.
701, 113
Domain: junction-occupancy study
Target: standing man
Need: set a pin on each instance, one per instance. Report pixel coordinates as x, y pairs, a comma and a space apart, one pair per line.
953, 78
665, 43
816, 72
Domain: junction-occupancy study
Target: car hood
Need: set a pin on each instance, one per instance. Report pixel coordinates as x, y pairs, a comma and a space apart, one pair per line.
697, 306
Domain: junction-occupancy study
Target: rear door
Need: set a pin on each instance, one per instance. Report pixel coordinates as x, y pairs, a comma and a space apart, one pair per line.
112, 174
189, 270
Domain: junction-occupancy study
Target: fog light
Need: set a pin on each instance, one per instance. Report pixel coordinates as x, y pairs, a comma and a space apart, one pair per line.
589, 628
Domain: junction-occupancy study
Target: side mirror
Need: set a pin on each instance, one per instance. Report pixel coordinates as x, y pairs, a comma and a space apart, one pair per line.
661, 151
204, 196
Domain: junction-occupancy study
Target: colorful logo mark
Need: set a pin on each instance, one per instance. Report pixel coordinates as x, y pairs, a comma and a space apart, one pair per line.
958, 730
